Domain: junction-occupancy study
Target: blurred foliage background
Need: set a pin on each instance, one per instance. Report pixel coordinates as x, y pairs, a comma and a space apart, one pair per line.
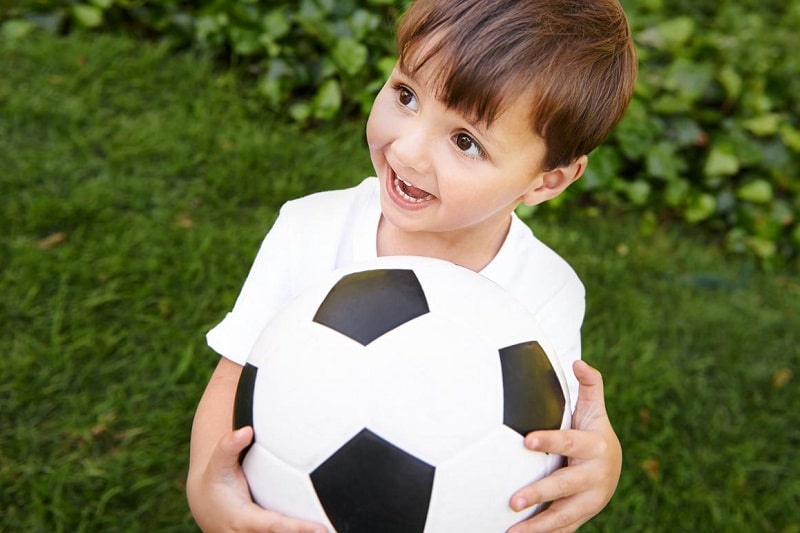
712, 136
145, 148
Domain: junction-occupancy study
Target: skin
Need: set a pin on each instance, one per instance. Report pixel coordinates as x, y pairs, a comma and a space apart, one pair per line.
460, 183
467, 178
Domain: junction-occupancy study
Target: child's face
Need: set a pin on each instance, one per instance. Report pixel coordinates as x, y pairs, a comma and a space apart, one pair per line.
440, 172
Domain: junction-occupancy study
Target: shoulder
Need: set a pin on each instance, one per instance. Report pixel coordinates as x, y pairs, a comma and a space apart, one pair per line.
526, 261
326, 206
538, 276
327, 228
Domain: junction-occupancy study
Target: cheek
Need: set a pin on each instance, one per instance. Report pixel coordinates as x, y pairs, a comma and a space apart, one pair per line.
375, 134
382, 121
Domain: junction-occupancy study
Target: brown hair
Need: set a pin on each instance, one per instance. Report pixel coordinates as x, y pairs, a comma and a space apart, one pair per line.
574, 58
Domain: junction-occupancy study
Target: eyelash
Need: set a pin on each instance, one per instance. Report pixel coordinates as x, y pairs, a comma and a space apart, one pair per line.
462, 136
402, 91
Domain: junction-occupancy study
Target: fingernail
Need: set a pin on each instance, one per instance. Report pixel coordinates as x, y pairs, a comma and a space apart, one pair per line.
519, 503
532, 442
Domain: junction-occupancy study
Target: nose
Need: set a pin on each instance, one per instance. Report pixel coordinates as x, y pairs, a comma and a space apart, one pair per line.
413, 150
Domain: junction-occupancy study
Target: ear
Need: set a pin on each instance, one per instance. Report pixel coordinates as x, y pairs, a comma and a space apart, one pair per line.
551, 183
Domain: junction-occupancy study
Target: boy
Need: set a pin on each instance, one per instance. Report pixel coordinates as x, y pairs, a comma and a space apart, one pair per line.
492, 103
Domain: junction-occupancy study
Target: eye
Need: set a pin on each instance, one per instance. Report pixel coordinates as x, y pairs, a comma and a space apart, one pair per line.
467, 144
406, 97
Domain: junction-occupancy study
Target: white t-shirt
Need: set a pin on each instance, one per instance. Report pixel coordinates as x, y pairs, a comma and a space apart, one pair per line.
325, 231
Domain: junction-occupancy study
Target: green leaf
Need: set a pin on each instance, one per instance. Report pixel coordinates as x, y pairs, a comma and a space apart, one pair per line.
790, 137
362, 23
310, 15
741, 143
245, 41
638, 192
637, 131
700, 208
103, 4
271, 88
686, 131
87, 16
385, 66
328, 100
676, 31
276, 24
676, 192
762, 247
671, 104
350, 55
689, 79
13, 30
757, 192
721, 162
763, 125
300, 111
669, 34
327, 6
663, 161
603, 169
731, 81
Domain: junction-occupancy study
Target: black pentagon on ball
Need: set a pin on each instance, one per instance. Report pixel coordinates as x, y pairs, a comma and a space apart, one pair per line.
369, 486
243, 401
365, 305
532, 395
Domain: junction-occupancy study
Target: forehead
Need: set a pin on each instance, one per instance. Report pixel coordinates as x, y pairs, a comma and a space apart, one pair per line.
465, 82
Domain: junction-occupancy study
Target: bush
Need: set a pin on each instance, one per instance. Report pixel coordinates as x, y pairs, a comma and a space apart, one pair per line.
312, 60
712, 135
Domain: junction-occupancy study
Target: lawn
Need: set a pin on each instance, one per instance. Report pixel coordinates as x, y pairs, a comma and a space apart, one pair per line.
135, 186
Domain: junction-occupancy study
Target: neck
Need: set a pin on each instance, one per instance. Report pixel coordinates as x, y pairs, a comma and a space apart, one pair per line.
468, 250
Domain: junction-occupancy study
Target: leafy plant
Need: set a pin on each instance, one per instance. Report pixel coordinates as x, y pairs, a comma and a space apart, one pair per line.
712, 133
312, 59
712, 136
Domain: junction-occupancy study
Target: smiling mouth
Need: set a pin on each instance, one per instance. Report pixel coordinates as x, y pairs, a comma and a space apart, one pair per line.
409, 192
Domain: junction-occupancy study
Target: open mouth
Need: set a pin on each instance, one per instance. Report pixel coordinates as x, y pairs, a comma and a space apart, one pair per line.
409, 192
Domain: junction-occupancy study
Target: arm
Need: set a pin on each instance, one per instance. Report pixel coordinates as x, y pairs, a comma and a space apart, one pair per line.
584, 487
218, 495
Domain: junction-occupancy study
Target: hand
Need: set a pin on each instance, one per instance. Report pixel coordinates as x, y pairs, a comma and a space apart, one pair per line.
582, 488
222, 499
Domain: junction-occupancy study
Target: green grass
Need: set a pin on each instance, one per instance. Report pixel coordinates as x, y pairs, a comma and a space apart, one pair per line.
135, 186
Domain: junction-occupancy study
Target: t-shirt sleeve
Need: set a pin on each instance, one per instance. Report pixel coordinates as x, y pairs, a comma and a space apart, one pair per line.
561, 317
267, 288
311, 236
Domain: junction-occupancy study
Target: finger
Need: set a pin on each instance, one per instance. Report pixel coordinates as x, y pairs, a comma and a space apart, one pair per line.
590, 382
283, 524
562, 483
259, 520
573, 443
555, 519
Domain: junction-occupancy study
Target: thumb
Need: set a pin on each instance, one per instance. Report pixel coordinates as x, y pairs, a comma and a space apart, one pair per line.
226, 456
590, 383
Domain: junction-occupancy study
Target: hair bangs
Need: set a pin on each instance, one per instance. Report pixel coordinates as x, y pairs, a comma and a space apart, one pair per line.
572, 61
476, 81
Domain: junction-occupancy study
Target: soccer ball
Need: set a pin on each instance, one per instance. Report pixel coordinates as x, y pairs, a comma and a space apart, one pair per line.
394, 396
